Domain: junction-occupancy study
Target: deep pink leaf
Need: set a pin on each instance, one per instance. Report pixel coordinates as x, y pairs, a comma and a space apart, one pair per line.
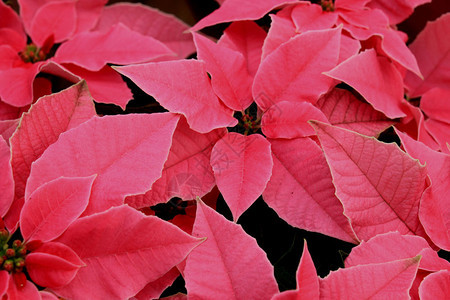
29, 291
289, 75
390, 280
230, 79
7, 128
4, 279
434, 104
307, 280
397, 10
242, 167
247, 38
187, 172
384, 90
42, 125
350, 4
53, 265
307, 16
10, 19
239, 10
110, 147
106, 85
190, 95
150, 22
119, 45
53, 207
394, 246
11, 43
432, 50
119, 259
236, 267
154, 289
289, 120
47, 296
88, 12
306, 202
377, 197
343, 109
6, 175
440, 131
435, 286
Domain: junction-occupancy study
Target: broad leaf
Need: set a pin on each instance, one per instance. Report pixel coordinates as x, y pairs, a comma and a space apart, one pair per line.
307, 202
119, 259
435, 104
280, 31
53, 207
242, 167
390, 280
397, 10
155, 288
190, 95
383, 88
7, 181
120, 45
236, 267
289, 75
343, 109
43, 123
435, 286
110, 147
377, 197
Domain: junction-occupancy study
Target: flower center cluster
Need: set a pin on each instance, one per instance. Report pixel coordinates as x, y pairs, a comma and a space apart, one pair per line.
32, 54
12, 258
327, 5
249, 122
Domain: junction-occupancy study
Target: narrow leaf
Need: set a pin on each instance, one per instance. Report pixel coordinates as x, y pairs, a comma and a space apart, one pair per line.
7, 181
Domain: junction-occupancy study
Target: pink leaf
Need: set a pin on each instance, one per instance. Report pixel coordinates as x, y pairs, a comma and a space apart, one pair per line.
88, 12
390, 280
29, 291
150, 22
187, 172
230, 79
397, 10
237, 268
47, 296
119, 259
110, 147
190, 95
377, 197
247, 38
435, 104
343, 109
10, 19
106, 85
289, 75
239, 10
42, 125
242, 167
7, 128
53, 207
431, 49
7, 181
394, 246
440, 131
281, 30
306, 202
307, 16
349, 47
155, 288
289, 120
119, 45
435, 286
4, 276
53, 265
383, 89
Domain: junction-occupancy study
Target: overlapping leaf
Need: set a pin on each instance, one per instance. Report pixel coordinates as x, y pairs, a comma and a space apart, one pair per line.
7, 181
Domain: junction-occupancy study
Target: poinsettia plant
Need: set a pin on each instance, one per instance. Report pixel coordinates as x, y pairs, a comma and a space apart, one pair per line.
303, 127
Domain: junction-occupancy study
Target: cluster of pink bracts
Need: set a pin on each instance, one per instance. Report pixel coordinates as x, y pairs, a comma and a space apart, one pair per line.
75, 185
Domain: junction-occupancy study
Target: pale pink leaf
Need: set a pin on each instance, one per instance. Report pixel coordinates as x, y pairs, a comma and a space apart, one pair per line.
237, 267
390, 280
239, 10
53, 207
343, 109
432, 51
306, 202
435, 103
154, 289
383, 88
119, 45
289, 120
53, 264
187, 172
6, 175
120, 260
397, 10
43, 123
242, 167
247, 38
435, 286
230, 79
281, 30
379, 185
394, 246
127, 152
289, 75
190, 95
105, 85
150, 22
